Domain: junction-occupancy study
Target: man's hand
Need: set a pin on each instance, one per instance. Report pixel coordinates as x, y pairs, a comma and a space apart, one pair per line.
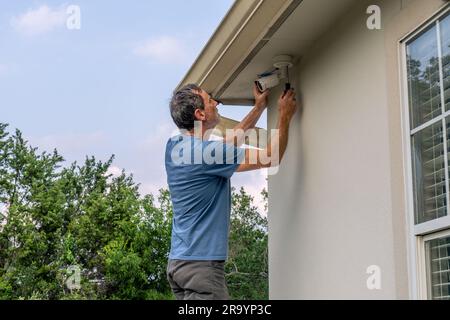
260, 97
287, 105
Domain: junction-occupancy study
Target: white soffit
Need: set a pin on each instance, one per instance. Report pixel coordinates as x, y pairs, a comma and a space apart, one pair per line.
309, 20
245, 29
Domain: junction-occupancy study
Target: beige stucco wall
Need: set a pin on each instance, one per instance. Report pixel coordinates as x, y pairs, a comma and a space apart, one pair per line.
337, 206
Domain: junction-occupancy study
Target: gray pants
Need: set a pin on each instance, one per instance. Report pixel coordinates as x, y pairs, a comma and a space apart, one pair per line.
197, 280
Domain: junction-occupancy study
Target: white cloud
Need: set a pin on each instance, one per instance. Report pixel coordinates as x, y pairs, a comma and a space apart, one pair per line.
158, 137
150, 153
164, 49
114, 171
39, 21
4, 208
253, 182
3, 69
150, 188
71, 143
3, 214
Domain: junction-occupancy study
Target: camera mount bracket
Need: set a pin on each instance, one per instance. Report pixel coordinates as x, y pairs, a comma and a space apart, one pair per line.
283, 62
268, 80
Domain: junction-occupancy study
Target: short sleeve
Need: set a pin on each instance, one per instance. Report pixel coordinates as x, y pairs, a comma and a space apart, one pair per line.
221, 159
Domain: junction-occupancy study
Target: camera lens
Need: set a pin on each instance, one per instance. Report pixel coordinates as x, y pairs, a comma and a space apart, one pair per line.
259, 86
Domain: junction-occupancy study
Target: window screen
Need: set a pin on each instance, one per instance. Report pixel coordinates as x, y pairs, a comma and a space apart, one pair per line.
438, 268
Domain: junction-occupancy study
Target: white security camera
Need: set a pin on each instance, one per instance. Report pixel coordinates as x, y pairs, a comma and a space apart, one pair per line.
269, 80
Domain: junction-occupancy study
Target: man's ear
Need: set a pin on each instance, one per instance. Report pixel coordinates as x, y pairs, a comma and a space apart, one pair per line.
199, 115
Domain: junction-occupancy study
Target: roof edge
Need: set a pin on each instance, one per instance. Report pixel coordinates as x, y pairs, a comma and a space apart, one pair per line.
247, 26
229, 25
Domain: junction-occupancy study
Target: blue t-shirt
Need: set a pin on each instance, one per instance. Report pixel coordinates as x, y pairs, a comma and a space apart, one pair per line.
198, 174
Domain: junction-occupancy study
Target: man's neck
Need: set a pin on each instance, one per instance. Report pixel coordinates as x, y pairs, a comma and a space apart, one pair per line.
197, 133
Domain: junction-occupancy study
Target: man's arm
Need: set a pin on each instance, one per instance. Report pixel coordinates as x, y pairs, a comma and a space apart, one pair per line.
287, 107
250, 120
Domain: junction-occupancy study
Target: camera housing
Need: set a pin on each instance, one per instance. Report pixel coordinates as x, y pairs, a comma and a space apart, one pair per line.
282, 63
267, 82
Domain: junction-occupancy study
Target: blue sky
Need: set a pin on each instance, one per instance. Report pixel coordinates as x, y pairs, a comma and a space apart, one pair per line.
104, 89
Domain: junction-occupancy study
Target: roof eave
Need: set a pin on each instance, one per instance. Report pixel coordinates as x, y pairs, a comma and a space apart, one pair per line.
245, 29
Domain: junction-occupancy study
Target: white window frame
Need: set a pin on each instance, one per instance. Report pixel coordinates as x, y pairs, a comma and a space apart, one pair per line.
418, 234
421, 252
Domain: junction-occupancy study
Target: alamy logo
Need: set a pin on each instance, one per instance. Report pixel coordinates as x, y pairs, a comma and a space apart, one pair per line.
374, 20
218, 152
73, 21
74, 279
374, 280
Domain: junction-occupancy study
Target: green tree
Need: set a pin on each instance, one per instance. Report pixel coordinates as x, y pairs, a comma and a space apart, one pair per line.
54, 219
247, 265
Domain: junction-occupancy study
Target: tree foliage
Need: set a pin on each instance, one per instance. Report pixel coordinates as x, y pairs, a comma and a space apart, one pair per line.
56, 219
247, 265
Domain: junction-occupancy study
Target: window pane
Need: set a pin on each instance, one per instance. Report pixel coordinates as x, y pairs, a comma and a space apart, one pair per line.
423, 78
445, 45
429, 174
438, 268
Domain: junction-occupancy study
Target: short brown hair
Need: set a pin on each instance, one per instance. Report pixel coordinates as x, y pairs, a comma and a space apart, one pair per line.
183, 104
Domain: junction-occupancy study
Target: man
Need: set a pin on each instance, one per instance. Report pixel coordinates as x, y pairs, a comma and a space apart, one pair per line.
200, 188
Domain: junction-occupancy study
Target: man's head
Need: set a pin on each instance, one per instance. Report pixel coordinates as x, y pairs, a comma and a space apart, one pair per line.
191, 103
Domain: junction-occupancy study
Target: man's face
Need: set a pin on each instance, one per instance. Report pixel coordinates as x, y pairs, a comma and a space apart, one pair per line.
211, 113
